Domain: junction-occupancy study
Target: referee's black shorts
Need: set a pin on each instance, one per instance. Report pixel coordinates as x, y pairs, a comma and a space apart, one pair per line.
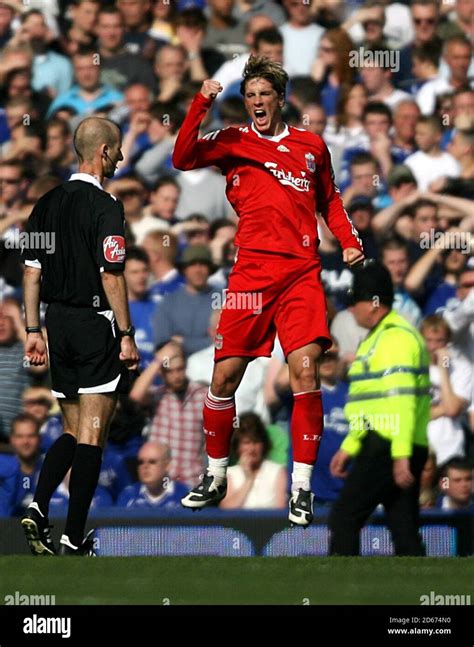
83, 351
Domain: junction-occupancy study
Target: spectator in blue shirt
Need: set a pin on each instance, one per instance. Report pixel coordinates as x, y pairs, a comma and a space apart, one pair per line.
51, 71
8, 482
162, 250
25, 441
155, 490
37, 402
114, 475
88, 95
336, 426
184, 315
455, 484
142, 307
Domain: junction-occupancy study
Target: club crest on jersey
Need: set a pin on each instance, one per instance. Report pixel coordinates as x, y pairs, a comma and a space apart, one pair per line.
310, 162
114, 249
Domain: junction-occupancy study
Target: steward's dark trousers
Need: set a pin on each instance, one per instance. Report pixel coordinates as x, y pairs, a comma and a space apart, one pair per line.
369, 483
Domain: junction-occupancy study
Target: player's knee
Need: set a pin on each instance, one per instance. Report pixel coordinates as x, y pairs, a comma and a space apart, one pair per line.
223, 385
303, 378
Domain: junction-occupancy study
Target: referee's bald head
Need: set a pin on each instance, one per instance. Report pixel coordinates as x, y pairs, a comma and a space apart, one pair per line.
91, 134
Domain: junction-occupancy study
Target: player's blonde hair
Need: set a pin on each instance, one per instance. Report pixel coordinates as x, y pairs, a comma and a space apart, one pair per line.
261, 67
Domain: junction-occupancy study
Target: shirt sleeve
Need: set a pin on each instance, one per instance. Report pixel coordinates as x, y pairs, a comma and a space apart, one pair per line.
329, 203
191, 152
31, 253
111, 238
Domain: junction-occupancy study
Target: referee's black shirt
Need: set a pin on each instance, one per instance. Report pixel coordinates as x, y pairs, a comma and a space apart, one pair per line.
75, 232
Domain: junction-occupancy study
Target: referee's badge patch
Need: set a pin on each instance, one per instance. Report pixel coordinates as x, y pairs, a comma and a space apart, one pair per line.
114, 249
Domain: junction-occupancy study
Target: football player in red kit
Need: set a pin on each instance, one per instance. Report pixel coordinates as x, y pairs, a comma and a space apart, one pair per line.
278, 177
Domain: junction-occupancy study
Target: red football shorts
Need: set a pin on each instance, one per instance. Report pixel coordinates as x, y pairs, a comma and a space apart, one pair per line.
269, 294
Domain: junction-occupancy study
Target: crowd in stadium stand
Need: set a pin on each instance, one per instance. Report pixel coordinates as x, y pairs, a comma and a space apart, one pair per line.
400, 128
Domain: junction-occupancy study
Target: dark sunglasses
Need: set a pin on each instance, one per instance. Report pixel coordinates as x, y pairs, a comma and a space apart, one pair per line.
428, 21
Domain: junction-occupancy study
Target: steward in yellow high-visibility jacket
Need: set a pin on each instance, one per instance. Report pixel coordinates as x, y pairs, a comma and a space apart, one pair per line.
388, 409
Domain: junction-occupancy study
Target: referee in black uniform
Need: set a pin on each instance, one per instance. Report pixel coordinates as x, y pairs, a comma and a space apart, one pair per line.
90, 338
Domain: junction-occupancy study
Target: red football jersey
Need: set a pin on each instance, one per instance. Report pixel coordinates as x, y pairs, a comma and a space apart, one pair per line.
275, 184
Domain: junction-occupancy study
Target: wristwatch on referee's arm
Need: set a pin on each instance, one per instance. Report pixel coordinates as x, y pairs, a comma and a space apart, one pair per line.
128, 332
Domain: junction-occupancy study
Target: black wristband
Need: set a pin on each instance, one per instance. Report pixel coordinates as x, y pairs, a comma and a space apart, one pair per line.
33, 329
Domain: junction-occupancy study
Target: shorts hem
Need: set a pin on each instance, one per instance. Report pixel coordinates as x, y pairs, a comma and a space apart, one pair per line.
313, 340
238, 353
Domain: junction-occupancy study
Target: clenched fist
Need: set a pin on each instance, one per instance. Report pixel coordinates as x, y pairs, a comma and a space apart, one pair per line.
210, 88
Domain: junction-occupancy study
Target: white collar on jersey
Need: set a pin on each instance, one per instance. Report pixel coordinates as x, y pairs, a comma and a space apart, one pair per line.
272, 138
86, 177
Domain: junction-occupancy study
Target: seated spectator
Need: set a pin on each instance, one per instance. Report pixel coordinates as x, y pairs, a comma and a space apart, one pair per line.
25, 442
364, 177
114, 475
378, 80
58, 506
451, 379
250, 394
332, 68
8, 11
164, 17
405, 116
8, 482
59, 153
120, 68
430, 163
349, 334
193, 230
51, 71
455, 484
191, 33
347, 131
460, 313
18, 84
394, 255
453, 261
162, 250
161, 126
83, 14
88, 95
461, 147
177, 412
132, 193
14, 376
137, 27
424, 66
155, 489
142, 307
254, 482
425, 17
225, 33
457, 52
313, 118
221, 232
361, 212
38, 403
184, 314
170, 68
301, 39
377, 121
159, 214
247, 11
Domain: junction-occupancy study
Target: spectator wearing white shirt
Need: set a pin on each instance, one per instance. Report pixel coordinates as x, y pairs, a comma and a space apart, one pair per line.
254, 482
457, 53
451, 380
301, 38
460, 314
378, 81
250, 394
430, 163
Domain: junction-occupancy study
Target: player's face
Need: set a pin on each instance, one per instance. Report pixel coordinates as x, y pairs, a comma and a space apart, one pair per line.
263, 105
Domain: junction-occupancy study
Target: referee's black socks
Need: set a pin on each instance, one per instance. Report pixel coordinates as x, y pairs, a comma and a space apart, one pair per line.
56, 464
82, 484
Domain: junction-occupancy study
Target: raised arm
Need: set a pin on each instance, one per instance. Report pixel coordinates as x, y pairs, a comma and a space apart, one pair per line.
190, 151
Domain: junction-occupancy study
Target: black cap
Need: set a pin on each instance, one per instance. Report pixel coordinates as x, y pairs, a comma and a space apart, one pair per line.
371, 279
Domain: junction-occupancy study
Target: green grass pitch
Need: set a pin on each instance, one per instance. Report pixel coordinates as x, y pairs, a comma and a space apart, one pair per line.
253, 580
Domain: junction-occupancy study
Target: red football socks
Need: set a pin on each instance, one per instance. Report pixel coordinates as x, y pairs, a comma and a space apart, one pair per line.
219, 415
306, 426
